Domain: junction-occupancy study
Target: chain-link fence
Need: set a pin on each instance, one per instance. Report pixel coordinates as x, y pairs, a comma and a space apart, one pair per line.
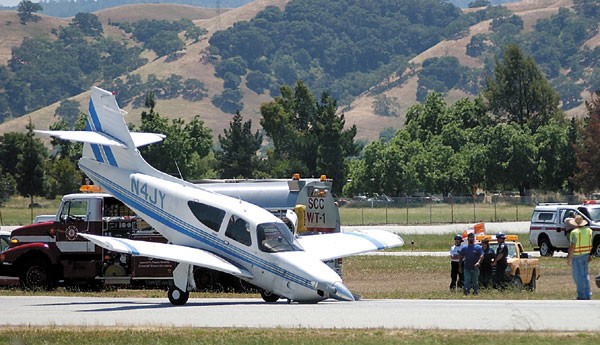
490, 207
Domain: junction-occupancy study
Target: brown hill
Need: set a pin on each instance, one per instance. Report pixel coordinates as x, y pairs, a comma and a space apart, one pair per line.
13, 32
189, 65
360, 110
193, 64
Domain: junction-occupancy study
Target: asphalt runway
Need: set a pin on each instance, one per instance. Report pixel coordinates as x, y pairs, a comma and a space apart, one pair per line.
254, 313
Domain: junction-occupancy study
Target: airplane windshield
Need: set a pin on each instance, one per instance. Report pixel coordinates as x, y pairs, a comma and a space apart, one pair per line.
275, 237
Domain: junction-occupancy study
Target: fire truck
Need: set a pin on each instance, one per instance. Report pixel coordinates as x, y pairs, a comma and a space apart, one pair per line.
49, 253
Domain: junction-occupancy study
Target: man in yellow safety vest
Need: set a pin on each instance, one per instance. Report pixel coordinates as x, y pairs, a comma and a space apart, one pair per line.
579, 255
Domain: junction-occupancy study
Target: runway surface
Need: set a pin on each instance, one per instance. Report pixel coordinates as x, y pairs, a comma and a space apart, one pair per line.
254, 313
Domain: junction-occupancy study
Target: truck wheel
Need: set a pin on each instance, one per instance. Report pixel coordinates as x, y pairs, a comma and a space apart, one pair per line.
532, 284
269, 296
177, 297
596, 247
517, 283
546, 248
35, 274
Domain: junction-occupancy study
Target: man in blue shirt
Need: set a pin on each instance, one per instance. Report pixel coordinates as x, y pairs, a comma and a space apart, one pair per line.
470, 260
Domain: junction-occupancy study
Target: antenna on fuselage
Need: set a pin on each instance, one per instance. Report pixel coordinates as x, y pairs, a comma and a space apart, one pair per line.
179, 171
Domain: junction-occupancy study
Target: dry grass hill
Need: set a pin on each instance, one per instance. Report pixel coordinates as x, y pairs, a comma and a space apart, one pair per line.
360, 111
192, 64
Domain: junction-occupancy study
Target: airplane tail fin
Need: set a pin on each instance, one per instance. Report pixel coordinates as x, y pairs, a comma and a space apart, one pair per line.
107, 138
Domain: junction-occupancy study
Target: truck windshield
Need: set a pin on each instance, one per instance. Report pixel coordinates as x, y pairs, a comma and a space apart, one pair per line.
512, 250
594, 214
275, 237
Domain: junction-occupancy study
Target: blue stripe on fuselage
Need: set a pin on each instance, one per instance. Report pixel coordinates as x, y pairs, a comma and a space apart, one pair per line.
189, 230
94, 117
96, 126
109, 155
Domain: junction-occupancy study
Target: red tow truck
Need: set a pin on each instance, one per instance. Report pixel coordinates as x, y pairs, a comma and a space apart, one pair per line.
45, 254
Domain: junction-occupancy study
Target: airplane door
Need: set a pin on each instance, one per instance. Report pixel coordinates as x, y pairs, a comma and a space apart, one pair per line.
74, 219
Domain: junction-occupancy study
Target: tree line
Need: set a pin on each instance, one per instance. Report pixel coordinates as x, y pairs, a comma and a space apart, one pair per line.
512, 136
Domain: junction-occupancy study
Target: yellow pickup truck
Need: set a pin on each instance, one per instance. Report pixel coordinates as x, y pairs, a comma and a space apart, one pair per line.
521, 270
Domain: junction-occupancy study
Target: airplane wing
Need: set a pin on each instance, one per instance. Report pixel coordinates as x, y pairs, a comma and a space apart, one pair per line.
342, 244
139, 139
171, 252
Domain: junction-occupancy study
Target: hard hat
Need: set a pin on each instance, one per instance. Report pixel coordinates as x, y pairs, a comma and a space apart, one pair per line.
500, 235
458, 237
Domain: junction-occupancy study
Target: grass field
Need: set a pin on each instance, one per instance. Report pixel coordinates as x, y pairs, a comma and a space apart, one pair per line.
185, 336
16, 211
436, 213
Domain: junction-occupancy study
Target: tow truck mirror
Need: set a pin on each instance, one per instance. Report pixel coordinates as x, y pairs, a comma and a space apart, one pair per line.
524, 256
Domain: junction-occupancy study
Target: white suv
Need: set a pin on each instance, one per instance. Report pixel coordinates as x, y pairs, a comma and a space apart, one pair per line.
549, 233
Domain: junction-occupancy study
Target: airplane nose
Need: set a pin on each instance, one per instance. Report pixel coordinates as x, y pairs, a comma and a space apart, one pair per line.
341, 292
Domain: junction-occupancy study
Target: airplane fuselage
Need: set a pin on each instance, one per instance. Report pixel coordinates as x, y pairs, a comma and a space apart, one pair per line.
233, 229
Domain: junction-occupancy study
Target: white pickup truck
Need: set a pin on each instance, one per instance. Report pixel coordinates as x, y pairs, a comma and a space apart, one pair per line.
548, 231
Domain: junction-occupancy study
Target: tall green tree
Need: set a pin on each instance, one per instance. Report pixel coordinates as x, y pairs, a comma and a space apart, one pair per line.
11, 148
556, 156
308, 135
87, 23
183, 149
519, 92
237, 157
514, 157
335, 144
588, 149
26, 10
30, 166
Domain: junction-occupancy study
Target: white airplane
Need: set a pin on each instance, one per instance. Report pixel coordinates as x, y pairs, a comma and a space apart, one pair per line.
207, 229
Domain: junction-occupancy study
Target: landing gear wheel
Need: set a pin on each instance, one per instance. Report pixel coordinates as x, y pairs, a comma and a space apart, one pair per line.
268, 296
177, 297
546, 248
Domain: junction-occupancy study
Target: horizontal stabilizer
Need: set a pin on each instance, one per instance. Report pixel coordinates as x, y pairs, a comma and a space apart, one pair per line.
342, 244
139, 139
171, 252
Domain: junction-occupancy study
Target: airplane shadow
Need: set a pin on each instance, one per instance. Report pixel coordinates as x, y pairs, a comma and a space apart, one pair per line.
132, 305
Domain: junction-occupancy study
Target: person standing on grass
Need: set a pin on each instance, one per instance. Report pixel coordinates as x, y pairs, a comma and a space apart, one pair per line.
501, 261
456, 277
486, 270
472, 255
579, 256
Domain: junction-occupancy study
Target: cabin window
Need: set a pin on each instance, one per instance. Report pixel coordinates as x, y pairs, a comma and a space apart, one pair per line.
275, 237
3, 243
208, 215
74, 210
545, 216
238, 230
